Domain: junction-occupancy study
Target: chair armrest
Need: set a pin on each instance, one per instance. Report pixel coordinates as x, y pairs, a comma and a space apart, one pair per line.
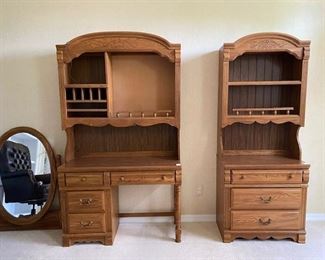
44, 178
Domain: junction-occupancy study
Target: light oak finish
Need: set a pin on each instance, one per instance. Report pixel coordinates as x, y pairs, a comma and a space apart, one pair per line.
120, 108
266, 198
120, 178
265, 220
85, 201
261, 180
84, 180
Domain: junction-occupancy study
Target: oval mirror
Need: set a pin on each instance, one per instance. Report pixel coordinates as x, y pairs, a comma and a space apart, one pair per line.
27, 175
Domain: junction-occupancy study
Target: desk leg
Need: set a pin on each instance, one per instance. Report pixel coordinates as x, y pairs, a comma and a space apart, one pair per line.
177, 209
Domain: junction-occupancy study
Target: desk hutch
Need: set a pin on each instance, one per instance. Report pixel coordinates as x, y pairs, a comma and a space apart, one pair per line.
120, 108
261, 180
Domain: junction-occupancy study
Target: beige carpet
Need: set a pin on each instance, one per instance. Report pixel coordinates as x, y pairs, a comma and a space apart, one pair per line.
154, 241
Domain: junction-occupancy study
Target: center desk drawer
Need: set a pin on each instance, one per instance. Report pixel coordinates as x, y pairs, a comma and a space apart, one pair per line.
159, 177
84, 179
86, 223
266, 176
266, 198
85, 201
265, 220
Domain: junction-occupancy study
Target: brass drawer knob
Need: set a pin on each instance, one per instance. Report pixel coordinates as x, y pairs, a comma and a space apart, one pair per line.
241, 177
290, 176
86, 224
264, 221
164, 178
83, 179
86, 201
266, 200
122, 178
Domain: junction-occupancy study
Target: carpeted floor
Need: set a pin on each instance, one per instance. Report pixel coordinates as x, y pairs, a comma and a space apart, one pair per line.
154, 241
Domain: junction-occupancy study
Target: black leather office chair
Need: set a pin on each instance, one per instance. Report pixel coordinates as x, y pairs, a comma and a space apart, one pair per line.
18, 180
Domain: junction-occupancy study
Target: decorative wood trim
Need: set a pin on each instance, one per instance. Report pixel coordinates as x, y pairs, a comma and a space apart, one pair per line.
118, 42
270, 42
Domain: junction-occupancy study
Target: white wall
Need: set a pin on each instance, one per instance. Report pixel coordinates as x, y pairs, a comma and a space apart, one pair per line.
29, 92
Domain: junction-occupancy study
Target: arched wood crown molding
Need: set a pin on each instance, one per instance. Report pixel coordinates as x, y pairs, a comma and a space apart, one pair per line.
118, 42
272, 42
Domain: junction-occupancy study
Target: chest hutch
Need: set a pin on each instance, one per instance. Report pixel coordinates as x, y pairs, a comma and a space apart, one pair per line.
261, 180
120, 108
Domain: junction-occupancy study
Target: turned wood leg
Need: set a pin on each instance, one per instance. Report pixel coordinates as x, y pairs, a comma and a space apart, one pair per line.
177, 218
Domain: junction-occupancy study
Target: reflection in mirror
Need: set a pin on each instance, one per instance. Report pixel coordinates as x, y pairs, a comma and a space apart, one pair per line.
25, 175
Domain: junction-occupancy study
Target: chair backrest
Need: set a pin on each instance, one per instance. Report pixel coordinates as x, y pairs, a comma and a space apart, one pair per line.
16, 175
14, 157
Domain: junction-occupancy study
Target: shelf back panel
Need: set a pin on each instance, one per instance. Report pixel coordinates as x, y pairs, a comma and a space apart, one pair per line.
265, 66
258, 136
156, 138
142, 82
88, 68
264, 97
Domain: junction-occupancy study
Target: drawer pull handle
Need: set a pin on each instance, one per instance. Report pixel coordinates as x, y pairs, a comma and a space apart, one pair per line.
83, 179
86, 224
265, 222
266, 200
86, 201
122, 178
164, 178
290, 176
241, 177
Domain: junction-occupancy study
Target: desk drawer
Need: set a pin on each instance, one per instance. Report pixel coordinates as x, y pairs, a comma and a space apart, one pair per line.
265, 220
86, 223
85, 201
159, 177
84, 179
267, 198
266, 176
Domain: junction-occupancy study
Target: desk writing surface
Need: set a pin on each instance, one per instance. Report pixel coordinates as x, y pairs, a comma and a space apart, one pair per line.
121, 164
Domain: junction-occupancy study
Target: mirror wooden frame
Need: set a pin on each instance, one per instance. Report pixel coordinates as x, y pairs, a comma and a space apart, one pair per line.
53, 164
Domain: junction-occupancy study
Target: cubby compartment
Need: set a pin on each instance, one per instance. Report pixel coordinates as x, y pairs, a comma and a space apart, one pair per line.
88, 68
143, 85
272, 66
256, 136
264, 100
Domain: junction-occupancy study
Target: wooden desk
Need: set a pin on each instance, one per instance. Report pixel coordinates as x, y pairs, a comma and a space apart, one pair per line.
89, 194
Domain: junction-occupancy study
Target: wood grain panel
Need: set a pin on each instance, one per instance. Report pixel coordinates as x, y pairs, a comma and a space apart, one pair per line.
160, 137
75, 180
161, 177
265, 198
266, 176
142, 82
86, 223
87, 68
265, 220
85, 201
256, 136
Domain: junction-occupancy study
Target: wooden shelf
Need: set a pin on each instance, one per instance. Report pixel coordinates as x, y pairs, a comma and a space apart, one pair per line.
263, 119
86, 101
257, 161
275, 110
143, 114
107, 163
86, 110
104, 85
264, 83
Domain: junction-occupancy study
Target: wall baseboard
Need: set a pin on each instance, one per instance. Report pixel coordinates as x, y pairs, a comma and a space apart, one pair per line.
200, 218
